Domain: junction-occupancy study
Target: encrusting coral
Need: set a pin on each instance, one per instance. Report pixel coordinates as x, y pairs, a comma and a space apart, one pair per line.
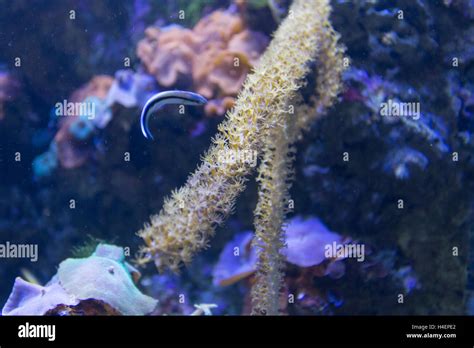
259, 120
215, 56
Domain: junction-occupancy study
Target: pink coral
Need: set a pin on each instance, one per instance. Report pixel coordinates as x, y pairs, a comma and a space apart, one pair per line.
72, 152
219, 26
306, 241
214, 58
237, 261
167, 54
229, 72
219, 106
249, 43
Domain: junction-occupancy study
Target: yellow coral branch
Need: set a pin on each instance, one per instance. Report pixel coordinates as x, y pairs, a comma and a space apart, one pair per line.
188, 219
275, 171
274, 178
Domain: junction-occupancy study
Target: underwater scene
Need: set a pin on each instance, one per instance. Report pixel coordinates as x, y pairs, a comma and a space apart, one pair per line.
236, 157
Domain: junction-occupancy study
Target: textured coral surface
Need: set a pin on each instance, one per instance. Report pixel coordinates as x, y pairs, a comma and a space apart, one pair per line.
214, 57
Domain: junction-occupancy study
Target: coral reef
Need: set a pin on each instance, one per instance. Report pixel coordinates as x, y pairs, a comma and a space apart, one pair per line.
31, 299
276, 173
311, 277
304, 246
214, 57
188, 219
73, 144
426, 163
129, 89
107, 277
104, 277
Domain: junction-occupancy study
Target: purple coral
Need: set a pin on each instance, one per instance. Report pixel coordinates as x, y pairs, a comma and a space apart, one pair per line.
306, 241
237, 260
130, 89
32, 299
104, 276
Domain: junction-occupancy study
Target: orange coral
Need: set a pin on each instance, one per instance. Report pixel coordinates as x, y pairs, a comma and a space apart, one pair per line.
73, 153
230, 70
248, 42
167, 54
213, 58
70, 153
219, 106
219, 26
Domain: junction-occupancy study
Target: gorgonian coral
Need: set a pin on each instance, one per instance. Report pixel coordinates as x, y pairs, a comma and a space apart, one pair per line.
275, 170
189, 217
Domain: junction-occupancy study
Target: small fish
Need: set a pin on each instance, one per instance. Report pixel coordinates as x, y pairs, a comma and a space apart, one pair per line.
164, 98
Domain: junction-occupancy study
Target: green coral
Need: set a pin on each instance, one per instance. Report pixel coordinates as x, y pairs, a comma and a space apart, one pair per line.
87, 248
105, 276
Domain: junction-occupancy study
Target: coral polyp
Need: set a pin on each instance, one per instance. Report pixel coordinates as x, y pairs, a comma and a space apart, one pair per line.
189, 218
